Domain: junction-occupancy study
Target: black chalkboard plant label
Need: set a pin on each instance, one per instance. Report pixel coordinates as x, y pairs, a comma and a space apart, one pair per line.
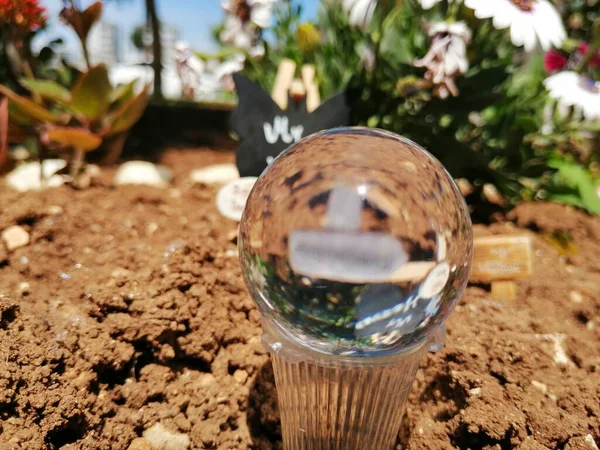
265, 130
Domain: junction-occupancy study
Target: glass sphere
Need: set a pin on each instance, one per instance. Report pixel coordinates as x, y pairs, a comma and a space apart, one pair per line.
356, 242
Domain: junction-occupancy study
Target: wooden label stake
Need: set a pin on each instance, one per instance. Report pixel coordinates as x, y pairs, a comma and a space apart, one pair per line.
500, 260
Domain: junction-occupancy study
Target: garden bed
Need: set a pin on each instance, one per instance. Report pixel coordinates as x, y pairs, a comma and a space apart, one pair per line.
127, 312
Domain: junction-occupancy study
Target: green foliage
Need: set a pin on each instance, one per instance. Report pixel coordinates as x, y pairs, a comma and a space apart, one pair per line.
75, 112
92, 93
502, 128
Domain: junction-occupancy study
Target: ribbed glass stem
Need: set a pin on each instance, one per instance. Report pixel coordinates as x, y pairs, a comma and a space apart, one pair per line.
343, 407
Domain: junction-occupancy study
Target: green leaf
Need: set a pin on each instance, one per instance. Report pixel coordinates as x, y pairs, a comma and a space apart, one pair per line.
129, 113
77, 138
580, 178
47, 89
91, 94
123, 92
30, 109
528, 79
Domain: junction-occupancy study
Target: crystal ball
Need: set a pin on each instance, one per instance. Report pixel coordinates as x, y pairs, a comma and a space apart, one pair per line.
356, 242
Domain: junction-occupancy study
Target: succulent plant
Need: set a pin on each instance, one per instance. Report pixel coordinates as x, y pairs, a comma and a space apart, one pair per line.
79, 120
76, 120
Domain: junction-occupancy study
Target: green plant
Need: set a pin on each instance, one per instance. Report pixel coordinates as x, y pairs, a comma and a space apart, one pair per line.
90, 114
477, 97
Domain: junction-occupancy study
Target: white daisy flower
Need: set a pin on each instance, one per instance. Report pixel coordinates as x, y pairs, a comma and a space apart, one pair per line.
447, 56
219, 75
189, 68
428, 4
360, 11
238, 33
578, 91
258, 12
530, 21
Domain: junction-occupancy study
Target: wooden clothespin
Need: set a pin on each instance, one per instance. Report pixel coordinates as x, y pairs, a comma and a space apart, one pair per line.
283, 80
500, 260
313, 98
286, 84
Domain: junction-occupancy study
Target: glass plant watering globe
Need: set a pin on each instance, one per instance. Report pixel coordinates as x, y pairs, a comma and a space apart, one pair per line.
355, 244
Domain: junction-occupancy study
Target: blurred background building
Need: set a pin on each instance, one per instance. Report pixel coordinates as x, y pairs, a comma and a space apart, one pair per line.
103, 44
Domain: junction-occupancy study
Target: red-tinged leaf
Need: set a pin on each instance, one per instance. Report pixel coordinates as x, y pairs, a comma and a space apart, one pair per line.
129, 113
76, 138
3, 129
32, 110
89, 17
92, 94
47, 89
82, 21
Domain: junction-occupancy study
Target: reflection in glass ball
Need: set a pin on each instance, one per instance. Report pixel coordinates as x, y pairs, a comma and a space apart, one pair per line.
356, 242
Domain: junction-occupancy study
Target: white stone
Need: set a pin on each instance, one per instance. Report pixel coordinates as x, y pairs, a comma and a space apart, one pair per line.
26, 177
24, 288
162, 439
589, 439
54, 210
15, 237
142, 172
576, 297
231, 198
540, 386
215, 174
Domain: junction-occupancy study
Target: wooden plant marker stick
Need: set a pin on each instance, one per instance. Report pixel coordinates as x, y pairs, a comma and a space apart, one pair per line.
283, 81
500, 260
313, 98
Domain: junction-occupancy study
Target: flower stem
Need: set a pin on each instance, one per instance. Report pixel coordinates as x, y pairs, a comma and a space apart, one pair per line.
593, 47
453, 8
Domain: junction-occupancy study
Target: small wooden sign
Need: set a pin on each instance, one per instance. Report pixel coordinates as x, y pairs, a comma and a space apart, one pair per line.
500, 260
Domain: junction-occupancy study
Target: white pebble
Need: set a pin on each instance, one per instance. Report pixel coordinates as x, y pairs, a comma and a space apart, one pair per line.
15, 237
162, 439
215, 174
540, 386
575, 297
24, 288
589, 439
26, 177
142, 172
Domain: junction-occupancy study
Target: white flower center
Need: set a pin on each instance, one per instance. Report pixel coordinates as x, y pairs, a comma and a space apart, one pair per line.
589, 85
524, 5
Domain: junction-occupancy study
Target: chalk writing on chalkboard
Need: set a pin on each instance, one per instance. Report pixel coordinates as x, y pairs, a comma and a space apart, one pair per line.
265, 130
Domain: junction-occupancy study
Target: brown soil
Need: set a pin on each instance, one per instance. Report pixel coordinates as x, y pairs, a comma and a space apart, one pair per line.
126, 312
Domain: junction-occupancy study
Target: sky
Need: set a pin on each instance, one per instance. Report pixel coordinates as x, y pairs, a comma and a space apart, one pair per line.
195, 18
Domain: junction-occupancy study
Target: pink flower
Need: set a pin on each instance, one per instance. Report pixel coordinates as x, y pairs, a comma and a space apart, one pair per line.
595, 61
555, 61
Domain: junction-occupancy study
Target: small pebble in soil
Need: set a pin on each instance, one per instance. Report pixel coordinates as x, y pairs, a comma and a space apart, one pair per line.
54, 210
162, 439
215, 174
575, 297
26, 177
142, 172
240, 376
540, 386
24, 288
589, 439
15, 237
